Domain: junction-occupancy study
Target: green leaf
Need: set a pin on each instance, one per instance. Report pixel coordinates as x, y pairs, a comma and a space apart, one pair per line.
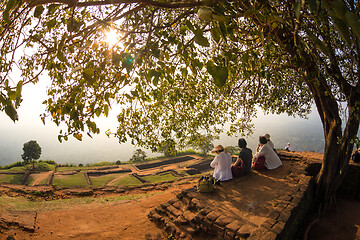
106, 110
6, 16
201, 40
50, 24
313, 5
343, 29
249, 13
18, 89
215, 33
218, 17
38, 11
190, 26
88, 75
10, 4
317, 41
354, 23
98, 112
11, 112
297, 9
60, 55
219, 74
60, 138
223, 30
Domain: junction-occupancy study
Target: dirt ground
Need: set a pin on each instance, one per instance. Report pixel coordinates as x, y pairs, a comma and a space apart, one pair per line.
127, 219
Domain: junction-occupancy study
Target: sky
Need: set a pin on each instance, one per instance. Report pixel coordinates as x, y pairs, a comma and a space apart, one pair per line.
303, 134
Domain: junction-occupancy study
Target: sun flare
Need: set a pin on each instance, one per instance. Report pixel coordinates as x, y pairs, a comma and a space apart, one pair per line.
112, 37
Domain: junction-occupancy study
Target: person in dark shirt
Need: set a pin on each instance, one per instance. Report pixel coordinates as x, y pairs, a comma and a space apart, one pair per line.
243, 163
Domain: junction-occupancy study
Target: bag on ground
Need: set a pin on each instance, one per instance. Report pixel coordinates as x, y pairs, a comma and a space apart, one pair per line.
205, 184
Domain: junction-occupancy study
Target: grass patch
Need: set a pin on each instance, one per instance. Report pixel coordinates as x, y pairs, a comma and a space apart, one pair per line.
127, 180
77, 180
99, 181
24, 204
11, 178
44, 181
159, 178
31, 179
16, 169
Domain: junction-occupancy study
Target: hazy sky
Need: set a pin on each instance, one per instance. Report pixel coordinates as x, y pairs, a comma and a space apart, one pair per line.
282, 128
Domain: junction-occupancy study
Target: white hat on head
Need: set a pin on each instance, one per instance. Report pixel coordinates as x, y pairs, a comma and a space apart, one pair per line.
267, 136
217, 148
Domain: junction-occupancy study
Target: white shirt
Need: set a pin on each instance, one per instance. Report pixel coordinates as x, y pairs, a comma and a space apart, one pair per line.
222, 166
272, 160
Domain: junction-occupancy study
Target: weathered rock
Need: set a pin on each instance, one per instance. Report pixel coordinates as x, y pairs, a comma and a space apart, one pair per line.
189, 216
223, 221
269, 223
212, 216
234, 226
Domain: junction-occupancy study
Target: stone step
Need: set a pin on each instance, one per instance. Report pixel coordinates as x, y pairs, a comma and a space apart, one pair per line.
186, 216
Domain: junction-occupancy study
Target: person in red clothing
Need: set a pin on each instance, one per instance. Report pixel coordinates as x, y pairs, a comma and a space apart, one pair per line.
243, 163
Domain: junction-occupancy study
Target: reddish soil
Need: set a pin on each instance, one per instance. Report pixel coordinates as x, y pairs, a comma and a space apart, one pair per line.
128, 219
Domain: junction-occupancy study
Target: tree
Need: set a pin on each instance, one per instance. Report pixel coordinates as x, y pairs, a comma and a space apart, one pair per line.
202, 142
32, 152
233, 150
180, 68
138, 156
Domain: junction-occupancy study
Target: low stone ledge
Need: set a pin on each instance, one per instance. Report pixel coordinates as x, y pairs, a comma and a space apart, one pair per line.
258, 234
189, 216
174, 211
223, 221
269, 223
212, 216
278, 227
234, 226
274, 215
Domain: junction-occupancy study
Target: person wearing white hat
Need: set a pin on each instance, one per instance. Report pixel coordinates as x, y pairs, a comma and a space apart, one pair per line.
221, 164
267, 136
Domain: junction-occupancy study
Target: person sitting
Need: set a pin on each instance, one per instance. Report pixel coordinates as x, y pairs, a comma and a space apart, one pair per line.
355, 156
221, 164
267, 136
287, 148
272, 160
243, 163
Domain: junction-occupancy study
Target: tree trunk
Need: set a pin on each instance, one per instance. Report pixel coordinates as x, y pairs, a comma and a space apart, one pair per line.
338, 145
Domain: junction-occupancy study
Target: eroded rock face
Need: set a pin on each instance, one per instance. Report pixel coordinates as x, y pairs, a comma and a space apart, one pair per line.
24, 220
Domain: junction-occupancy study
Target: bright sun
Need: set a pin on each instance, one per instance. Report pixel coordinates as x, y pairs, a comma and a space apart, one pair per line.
112, 37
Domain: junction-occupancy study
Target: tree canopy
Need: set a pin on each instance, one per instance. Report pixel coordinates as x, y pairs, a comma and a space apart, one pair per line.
183, 68
32, 151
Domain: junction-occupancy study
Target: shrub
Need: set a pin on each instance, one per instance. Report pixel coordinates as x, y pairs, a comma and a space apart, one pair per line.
17, 164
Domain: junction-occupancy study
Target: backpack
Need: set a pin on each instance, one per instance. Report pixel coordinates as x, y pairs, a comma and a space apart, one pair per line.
259, 163
205, 184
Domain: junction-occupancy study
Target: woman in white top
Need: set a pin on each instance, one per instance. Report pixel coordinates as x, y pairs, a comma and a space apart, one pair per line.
221, 164
272, 160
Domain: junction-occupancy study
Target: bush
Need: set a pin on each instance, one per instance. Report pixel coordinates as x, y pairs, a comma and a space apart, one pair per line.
44, 167
17, 164
81, 165
118, 162
51, 162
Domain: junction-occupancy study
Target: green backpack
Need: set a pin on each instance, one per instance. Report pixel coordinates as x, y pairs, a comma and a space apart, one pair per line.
205, 184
